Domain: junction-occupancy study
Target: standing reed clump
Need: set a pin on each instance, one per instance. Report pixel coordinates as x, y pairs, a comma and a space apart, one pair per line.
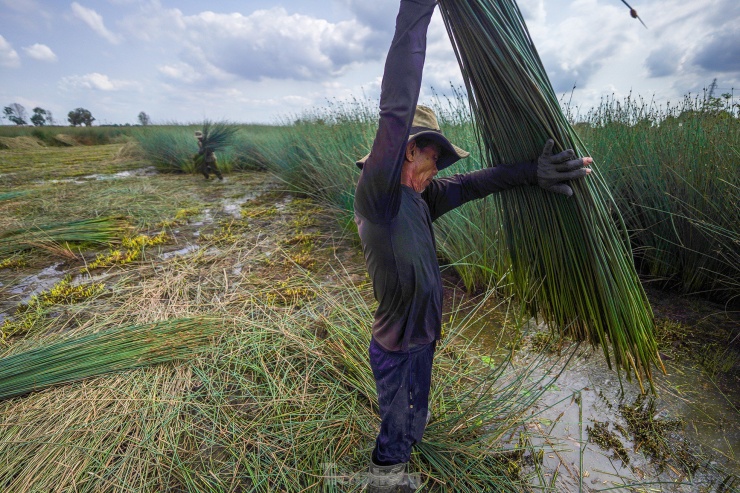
675, 176
571, 258
169, 148
317, 152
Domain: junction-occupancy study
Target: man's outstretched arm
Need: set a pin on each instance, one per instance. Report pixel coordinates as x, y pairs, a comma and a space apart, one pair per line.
550, 172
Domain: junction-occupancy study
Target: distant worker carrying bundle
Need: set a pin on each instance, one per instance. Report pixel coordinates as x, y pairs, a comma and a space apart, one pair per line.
205, 159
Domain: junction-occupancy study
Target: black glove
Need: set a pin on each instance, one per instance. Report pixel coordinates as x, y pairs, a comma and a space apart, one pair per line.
552, 171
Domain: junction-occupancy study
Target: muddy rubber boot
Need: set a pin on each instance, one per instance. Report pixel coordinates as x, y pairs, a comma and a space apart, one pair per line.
389, 479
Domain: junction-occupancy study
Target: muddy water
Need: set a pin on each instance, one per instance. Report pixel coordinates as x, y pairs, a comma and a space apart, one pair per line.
16, 290
587, 391
141, 172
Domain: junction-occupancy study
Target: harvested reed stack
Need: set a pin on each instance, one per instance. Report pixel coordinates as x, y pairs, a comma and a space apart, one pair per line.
101, 230
76, 358
217, 135
571, 258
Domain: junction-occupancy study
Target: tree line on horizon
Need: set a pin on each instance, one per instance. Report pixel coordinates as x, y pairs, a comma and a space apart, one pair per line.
16, 113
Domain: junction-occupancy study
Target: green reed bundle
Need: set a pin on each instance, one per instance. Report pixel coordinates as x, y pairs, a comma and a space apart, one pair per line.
98, 230
217, 135
121, 348
11, 195
573, 254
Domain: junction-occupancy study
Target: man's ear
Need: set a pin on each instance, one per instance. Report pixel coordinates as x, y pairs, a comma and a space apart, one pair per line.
410, 150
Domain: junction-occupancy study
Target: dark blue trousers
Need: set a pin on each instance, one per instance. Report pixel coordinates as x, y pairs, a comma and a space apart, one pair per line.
403, 380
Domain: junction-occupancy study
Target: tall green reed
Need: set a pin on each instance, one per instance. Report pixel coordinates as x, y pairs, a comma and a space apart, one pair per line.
122, 348
674, 172
315, 153
170, 149
571, 258
101, 230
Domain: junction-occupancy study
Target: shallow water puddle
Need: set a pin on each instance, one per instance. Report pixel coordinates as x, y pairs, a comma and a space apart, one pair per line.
41, 281
587, 394
179, 253
141, 172
233, 207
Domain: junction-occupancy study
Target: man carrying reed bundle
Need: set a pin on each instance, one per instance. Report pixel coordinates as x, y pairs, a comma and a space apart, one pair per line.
205, 159
396, 201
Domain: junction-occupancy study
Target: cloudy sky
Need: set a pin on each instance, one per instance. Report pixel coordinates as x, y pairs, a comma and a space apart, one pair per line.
260, 61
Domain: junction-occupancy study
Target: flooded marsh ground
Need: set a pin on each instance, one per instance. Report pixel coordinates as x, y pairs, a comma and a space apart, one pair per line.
247, 253
599, 432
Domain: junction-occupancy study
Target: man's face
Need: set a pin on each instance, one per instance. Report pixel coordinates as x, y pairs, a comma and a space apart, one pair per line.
424, 165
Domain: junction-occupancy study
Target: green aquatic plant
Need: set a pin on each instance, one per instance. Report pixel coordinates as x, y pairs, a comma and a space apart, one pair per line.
571, 258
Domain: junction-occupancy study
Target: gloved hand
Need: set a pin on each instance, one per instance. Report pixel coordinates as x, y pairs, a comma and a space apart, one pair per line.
553, 171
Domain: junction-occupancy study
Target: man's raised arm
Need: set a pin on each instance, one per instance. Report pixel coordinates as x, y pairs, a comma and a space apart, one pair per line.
378, 190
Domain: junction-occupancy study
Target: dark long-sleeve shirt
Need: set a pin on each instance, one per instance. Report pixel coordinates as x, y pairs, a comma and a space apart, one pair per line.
393, 220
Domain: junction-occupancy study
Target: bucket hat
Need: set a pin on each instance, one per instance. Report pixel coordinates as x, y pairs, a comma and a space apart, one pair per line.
425, 125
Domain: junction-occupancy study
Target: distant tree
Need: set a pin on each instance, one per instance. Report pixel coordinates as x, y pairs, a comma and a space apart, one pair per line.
144, 119
40, 116
16, 113
79, 117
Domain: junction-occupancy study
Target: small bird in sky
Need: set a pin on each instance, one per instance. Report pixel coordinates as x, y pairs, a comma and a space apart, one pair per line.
633, 13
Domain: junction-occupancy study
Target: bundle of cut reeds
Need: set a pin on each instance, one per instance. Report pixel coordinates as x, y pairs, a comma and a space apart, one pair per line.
122, 348
575, 250
101, 230
217, 135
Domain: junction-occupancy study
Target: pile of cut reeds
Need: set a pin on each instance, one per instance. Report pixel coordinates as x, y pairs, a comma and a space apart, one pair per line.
283, 401
101, 230
122, 348
571, 258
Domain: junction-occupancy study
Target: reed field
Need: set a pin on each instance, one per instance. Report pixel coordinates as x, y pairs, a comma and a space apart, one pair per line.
674, 173
236, 363
211, 336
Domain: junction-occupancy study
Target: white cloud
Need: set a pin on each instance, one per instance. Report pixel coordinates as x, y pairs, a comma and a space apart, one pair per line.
252, 65
181, 72
571, 49
533, 11
264, 45
8, 56
94, 22
275, 44
374, 14
40, 52
96, 81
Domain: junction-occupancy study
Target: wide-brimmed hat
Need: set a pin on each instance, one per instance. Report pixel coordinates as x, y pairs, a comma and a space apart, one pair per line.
425, 125
198, 134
